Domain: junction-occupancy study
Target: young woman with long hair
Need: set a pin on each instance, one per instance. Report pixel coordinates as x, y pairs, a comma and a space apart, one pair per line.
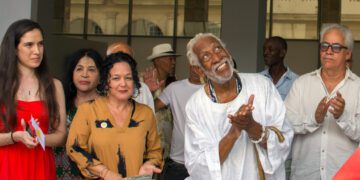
28, 91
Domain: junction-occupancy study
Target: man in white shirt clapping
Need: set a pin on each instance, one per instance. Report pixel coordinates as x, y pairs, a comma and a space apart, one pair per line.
323, 108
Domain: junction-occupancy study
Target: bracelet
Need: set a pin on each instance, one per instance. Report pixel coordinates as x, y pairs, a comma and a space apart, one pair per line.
263, 134
267, 132
12, 138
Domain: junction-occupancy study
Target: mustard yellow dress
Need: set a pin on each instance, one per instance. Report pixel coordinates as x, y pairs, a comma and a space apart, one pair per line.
94, 138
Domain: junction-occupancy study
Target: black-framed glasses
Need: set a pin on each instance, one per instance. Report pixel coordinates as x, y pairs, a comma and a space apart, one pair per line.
335, 47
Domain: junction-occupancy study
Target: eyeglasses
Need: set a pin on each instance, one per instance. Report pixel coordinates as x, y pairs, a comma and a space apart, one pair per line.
336, 47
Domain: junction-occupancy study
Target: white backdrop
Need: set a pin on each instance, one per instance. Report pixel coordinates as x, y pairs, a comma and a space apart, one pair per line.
12, 10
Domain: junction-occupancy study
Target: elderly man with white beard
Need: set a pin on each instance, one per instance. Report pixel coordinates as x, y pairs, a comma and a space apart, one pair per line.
235, 126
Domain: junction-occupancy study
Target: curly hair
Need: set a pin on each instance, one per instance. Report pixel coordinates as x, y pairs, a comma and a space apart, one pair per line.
73, 60
108, 65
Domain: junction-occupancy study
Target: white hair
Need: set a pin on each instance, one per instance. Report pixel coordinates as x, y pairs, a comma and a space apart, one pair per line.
192, 57
348, 36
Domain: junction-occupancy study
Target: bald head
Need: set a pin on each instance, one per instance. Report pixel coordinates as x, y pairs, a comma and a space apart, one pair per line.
119, 47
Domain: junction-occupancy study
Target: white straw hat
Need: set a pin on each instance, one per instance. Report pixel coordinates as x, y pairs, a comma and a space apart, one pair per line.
161, 50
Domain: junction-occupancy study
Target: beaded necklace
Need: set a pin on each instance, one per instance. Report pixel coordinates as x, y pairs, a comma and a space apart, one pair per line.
213, 93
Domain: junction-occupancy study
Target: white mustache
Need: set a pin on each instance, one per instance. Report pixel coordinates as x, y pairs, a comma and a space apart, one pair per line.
224, 60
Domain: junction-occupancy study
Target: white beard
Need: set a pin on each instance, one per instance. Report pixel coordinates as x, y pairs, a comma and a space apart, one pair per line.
220, 79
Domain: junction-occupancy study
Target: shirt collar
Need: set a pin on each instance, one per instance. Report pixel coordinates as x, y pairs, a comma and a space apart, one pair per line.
348, 74
286, 75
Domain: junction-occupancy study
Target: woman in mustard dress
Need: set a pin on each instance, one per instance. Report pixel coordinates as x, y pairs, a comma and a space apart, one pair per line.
114, 137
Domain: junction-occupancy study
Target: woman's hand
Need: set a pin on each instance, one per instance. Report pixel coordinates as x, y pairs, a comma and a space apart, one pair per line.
104, 173
148, 168
24, 137
112, 176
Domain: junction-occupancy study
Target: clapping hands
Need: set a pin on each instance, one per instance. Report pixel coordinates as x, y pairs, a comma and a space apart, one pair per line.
335, 105
243, 118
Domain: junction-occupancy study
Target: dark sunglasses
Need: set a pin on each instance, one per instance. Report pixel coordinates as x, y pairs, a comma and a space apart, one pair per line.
335, 47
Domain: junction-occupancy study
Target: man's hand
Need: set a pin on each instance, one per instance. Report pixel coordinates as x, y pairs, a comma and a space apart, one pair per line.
243, 118
321, 110
338, 105
148, 168
151, 79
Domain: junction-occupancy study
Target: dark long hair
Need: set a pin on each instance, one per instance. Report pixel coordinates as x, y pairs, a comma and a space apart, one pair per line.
10, 76
108, 65
73, 60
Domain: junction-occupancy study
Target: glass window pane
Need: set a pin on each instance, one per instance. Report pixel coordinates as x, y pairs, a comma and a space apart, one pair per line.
108, 17
180, 17
294, 19
350, 16
267, 26
153, 17
104, 17
69, 16
199, 16
61, 15
214, 20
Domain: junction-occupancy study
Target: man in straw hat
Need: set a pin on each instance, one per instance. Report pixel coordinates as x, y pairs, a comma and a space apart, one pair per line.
157, 78
163, 73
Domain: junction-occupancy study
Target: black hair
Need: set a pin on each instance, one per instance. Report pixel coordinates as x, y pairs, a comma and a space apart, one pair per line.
69, 86
281, 41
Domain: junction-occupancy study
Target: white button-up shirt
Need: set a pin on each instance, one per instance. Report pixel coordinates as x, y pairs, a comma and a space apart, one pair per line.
319, 150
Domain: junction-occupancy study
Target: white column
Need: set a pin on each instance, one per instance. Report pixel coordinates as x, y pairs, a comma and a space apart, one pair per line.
110, 27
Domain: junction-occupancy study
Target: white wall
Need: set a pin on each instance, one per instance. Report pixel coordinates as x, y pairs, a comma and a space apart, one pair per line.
12, 10
302, 56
